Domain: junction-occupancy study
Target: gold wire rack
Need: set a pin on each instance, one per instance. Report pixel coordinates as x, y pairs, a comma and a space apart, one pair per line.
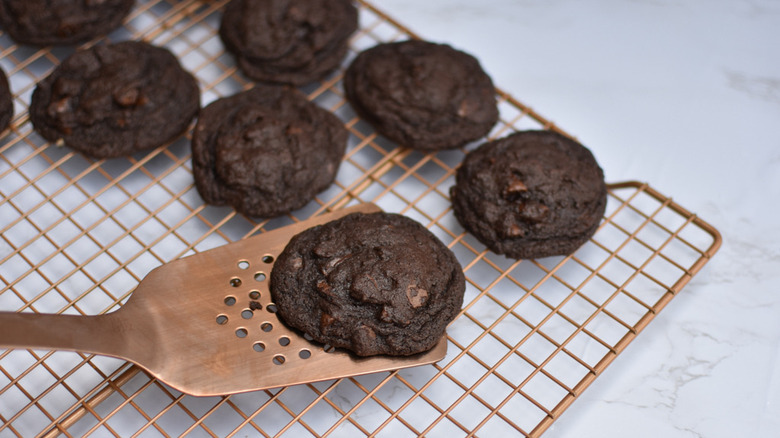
78, 235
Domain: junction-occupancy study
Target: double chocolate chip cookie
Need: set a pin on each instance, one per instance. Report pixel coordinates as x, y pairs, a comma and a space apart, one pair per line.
288, 41
61, 22
116, 99
372, 283
531, 194
266, 151
422, 95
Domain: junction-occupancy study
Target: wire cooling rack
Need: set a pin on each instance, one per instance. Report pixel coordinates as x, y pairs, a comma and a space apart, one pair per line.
78, 235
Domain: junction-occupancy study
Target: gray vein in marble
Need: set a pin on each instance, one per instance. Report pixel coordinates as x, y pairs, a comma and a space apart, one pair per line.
342, 401
742, 259
689, 430
675, 372
756, 87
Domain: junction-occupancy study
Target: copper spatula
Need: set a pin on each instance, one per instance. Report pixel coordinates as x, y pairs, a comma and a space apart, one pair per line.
205, 325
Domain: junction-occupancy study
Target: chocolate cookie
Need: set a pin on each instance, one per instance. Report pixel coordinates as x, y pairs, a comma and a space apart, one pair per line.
61, 22
531, 194
6, 102
288, 41
266, 151
116, 99
372, 283
422, 95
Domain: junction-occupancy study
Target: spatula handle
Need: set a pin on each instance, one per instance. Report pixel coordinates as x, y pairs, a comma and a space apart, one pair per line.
100, 334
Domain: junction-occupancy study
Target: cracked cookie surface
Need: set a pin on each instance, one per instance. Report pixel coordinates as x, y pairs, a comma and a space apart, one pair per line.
375, 283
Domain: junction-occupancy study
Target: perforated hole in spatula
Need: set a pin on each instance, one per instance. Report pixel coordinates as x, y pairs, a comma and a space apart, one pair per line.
250, 306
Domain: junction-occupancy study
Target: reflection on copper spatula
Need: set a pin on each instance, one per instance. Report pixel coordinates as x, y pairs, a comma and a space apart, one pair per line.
205, 325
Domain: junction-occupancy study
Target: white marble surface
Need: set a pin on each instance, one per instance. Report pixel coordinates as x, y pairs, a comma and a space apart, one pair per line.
684, 95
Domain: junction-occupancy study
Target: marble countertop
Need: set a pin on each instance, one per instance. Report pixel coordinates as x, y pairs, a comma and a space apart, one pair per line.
684, 95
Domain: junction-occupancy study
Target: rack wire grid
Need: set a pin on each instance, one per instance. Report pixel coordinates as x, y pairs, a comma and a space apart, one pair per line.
79, 234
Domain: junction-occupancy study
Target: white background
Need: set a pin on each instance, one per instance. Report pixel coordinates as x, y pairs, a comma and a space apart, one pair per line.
684, 95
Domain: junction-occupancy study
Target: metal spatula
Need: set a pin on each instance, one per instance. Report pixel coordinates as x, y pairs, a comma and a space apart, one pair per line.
205, 325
